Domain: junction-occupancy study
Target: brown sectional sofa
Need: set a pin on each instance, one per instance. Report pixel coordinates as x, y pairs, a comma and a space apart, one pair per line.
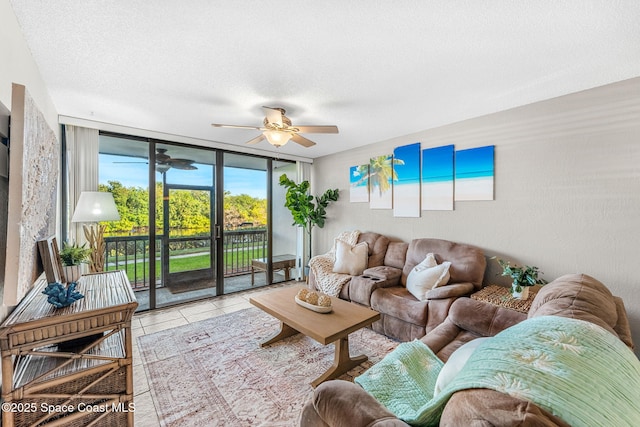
341, 403
382, 284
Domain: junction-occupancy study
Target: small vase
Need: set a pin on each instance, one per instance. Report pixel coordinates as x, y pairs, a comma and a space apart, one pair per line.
522, 295
73, 272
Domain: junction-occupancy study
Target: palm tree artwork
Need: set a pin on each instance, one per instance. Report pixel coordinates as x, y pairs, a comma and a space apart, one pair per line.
381, 175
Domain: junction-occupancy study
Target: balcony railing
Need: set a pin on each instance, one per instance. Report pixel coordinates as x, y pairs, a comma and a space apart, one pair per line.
131, 253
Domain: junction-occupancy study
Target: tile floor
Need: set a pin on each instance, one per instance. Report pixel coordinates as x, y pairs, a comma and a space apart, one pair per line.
166, 318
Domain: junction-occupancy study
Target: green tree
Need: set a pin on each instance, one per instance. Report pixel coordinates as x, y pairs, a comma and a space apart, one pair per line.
189, 210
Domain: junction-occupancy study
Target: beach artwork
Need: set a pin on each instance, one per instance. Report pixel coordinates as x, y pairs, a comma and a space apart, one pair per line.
359, 183
406, 186
437, 178
381, 177
474, 174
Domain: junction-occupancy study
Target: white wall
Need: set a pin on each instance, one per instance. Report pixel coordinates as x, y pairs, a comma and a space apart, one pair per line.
18, 66
567, 190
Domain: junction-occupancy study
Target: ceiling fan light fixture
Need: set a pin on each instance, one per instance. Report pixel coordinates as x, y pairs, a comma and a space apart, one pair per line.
162, 167
277, 137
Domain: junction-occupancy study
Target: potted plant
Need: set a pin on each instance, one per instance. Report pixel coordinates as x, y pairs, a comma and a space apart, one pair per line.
522, 276
305, 212
73, 257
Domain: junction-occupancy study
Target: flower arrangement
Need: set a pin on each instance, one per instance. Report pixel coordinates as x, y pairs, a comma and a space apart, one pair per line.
522, 276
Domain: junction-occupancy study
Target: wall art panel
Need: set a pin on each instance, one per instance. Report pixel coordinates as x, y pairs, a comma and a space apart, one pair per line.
406, 186
437, 178
359, 183
474, 174
381, 177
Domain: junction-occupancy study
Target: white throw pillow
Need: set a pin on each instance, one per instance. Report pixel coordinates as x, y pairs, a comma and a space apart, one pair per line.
351, 259
428, 262
456, 362
427, 275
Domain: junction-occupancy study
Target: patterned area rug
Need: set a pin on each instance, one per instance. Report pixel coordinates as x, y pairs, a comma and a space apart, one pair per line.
214, 372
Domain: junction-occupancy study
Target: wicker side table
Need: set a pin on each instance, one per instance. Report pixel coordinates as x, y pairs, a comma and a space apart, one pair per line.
71, 366
501, 296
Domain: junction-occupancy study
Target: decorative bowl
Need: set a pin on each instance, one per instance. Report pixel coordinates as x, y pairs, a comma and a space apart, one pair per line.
316, 308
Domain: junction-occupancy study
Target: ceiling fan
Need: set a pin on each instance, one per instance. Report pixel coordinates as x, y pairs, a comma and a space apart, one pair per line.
163, 159
278, 130
164, 162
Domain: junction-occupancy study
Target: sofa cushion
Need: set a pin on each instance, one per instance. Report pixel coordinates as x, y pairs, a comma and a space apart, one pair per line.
467, 262
397, 302
350, 259
377, 247
577, 296
396, 253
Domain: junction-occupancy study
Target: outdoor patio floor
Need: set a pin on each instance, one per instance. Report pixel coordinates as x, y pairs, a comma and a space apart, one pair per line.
232, 284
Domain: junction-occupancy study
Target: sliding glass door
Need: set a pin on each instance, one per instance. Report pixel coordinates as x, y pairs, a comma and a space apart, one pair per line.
195, 222
185, 223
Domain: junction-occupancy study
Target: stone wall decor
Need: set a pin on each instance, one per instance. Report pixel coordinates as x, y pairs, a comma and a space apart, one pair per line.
33, 188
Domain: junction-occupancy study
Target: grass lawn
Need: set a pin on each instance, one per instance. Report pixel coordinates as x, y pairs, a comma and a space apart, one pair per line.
233, 260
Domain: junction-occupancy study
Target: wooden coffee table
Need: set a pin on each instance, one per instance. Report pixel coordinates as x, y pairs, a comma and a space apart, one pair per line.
333, 327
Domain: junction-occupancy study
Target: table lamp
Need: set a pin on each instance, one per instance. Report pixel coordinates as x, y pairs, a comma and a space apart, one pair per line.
94, 207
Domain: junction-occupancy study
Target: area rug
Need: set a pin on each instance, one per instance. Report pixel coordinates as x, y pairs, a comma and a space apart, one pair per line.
214, 372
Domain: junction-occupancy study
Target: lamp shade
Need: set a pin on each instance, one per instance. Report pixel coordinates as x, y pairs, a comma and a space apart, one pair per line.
277, 137
95, 206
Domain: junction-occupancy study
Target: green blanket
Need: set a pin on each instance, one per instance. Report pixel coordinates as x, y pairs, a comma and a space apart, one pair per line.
576, 370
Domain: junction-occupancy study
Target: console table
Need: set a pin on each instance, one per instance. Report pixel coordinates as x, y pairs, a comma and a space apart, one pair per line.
70, 366
278, 262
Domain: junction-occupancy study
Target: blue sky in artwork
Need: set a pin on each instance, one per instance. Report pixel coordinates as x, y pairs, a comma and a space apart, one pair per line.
437, 164
475, 162
355, 176
409, 173
132, 173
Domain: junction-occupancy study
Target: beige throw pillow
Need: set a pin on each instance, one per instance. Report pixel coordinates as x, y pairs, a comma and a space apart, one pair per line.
351, 259
427, 275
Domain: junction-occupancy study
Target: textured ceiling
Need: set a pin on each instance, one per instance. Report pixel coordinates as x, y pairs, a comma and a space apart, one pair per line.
376, 69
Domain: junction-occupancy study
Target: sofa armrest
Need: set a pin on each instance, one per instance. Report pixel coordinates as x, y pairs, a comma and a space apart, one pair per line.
344, 404
384, 272
451, 291
361, 287
482, 318
446, 338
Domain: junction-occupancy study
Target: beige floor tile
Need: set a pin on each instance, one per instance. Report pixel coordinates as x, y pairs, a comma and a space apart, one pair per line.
135, 333
197, 308
159, 316
227, 302
235, 307
145, 415
135, 323
137, 359
140, 383
161, 326
196, 317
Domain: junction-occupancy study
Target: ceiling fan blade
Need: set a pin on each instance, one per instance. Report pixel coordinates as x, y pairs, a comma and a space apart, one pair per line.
274, 116
256, 139
318, 129
184, 166
302, 140
217, 125
146, 163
